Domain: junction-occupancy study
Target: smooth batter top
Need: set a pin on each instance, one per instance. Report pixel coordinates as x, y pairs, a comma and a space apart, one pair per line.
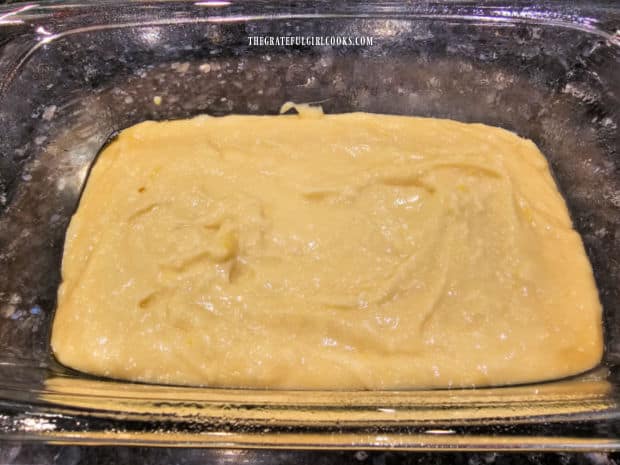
325, 251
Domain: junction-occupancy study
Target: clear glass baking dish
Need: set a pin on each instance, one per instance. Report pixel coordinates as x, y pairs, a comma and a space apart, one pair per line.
74, 73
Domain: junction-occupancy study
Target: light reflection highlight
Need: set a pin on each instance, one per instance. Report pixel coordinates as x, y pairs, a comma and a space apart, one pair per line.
150, 36
41, 30
213, 3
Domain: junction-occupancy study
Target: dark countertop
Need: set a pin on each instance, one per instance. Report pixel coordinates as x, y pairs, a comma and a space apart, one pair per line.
15, 453
30, 454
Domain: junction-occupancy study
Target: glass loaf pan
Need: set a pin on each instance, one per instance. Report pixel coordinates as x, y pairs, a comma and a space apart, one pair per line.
72, 74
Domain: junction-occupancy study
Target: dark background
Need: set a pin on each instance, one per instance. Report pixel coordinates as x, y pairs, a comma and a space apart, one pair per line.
13, 453
16, 453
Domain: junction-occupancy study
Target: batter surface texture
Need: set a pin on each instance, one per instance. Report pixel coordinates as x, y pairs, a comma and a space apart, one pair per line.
324, 251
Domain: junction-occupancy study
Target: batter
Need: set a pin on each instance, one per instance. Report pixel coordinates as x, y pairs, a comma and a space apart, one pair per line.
311, 251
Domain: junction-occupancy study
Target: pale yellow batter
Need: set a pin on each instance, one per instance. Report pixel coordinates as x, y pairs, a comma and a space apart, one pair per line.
325, 251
